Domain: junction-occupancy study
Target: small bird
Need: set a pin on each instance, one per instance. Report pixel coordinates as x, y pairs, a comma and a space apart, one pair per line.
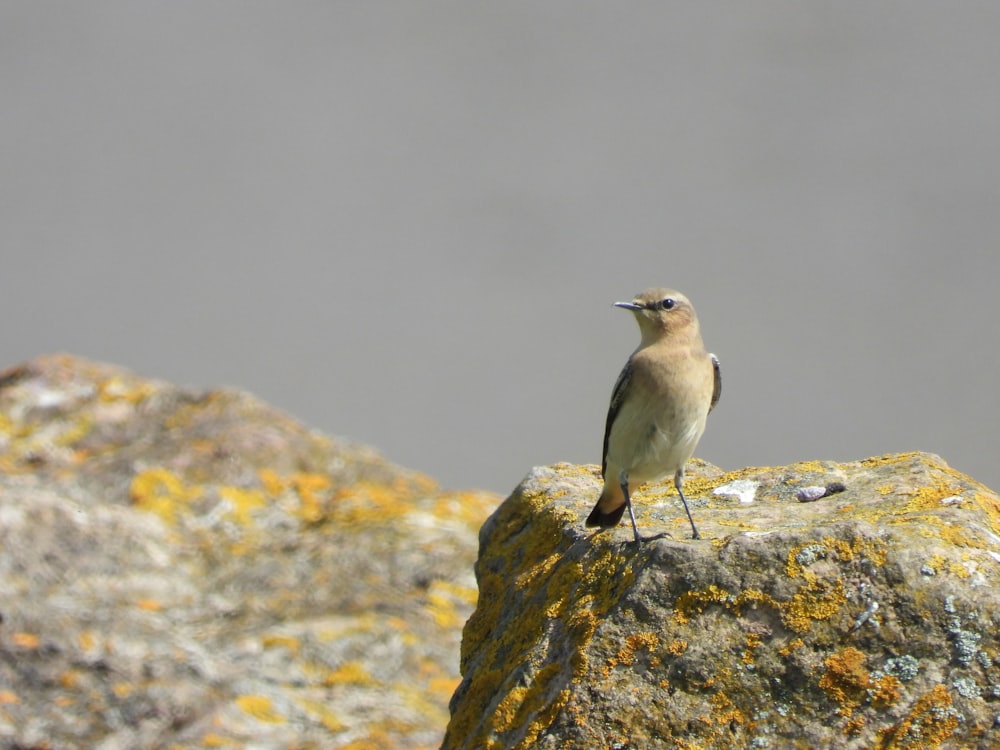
658, 406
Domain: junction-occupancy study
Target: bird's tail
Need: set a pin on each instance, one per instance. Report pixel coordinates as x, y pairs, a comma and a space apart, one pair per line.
598, 517
609, 508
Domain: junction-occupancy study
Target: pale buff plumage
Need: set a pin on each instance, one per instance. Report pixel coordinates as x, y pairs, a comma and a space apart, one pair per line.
659, 404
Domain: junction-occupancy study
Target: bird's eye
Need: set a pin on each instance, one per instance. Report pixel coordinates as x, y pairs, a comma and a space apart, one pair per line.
667, 304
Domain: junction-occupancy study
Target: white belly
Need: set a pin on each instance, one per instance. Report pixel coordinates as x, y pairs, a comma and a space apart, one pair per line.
652, 446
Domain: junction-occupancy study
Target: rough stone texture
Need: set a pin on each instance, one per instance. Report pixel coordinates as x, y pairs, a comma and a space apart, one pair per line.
195, 569
866, 618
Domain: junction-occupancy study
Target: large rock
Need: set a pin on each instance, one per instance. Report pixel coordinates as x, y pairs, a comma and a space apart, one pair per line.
865, 614
191, 569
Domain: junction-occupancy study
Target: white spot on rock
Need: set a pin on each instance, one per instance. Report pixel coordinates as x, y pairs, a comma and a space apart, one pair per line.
744, 489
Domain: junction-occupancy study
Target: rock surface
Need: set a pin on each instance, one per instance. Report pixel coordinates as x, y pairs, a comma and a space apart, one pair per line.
184, 569
865, 615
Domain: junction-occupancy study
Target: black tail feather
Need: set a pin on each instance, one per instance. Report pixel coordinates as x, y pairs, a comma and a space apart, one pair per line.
598, 517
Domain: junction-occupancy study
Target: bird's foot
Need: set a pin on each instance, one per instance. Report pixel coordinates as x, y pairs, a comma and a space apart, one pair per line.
639, 539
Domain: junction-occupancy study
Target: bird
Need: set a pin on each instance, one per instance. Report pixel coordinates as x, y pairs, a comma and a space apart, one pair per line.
659, 405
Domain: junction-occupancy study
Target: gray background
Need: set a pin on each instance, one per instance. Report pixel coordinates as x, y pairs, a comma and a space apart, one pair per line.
405, 222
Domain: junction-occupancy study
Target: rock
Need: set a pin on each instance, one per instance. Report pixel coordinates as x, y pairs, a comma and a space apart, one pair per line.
866, 618
195, 569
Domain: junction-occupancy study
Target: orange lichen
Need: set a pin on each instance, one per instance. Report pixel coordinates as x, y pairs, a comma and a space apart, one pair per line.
26, 640
846, 679
753, 641
677, 647
854, 724
884, 691
929, 723
849, 684
792, 645
725, 711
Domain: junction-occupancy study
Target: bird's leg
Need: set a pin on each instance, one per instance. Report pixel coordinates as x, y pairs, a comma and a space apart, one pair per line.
678, 483
623, 480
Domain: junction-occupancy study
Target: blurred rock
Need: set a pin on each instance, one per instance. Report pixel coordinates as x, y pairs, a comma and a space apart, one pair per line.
195, 569
867, 618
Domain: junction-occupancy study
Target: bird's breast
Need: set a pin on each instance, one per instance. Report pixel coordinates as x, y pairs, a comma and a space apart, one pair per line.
658, 426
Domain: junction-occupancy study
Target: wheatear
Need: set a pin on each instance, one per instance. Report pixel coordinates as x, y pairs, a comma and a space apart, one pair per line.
658, 406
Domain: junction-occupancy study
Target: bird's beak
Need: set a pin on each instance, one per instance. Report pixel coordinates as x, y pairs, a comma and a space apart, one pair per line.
628, 306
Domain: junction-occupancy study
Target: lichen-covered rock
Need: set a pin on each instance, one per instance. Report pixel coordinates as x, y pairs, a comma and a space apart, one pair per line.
195, 569
867, 616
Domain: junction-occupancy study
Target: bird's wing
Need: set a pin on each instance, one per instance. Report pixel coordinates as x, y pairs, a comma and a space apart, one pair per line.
717, 388
617, 397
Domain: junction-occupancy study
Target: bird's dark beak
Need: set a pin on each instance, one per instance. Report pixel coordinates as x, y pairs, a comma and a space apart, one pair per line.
628, 306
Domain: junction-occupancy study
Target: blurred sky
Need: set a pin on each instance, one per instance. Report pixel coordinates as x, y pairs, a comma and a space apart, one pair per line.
405, 222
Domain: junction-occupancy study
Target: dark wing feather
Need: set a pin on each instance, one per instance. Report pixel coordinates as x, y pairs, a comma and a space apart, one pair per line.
617, 396
717, 388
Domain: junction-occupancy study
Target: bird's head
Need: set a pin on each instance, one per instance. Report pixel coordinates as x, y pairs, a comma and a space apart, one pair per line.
662, 312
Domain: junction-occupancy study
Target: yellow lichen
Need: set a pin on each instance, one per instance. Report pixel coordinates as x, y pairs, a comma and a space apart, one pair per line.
441, 606
289, 642
819, 600
274, 485
443, 687
162, 492
349, 673
692, 603
211, 739
361, 503
260, 707
578, 593
312, 490
888, 458
929, 496
647, 641
116, 388
322, 712
241, 504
